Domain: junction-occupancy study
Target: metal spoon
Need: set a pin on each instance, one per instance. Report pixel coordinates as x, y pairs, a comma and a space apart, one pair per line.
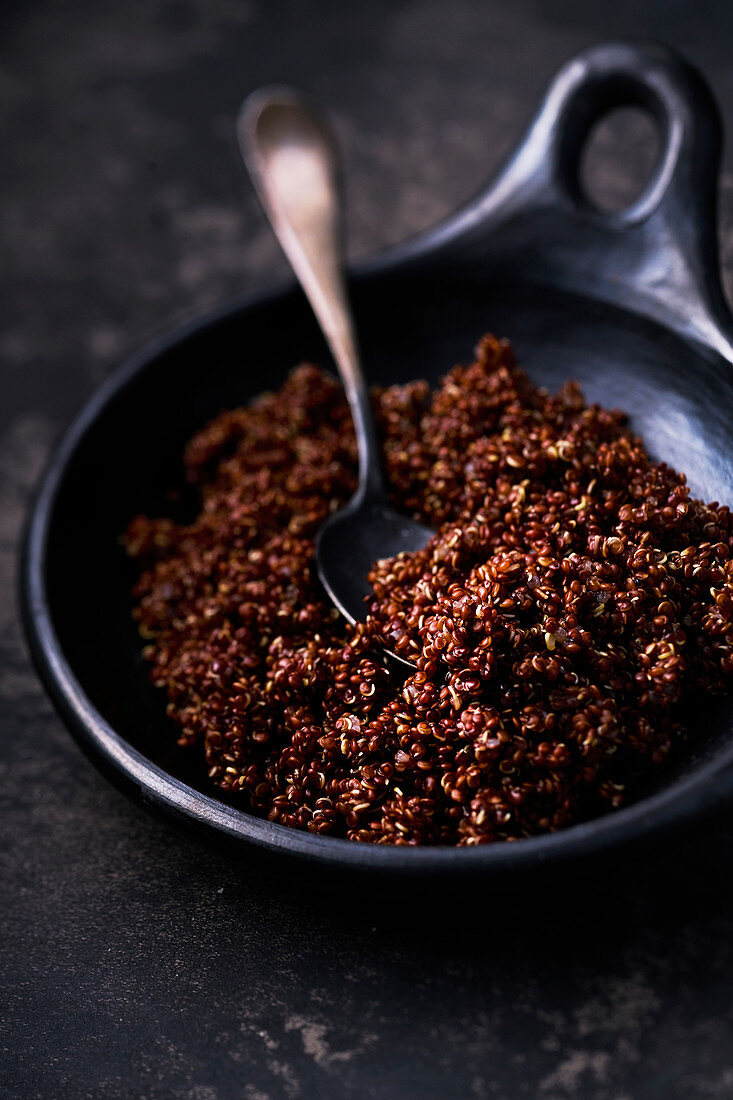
291, 158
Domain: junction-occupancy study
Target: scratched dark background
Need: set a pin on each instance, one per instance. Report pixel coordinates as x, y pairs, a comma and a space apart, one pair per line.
133, 963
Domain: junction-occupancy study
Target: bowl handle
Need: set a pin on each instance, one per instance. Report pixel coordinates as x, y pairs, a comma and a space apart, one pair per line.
659, 256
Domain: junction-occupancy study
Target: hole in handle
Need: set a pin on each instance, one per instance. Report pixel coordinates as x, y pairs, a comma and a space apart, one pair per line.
619, 159
612, 79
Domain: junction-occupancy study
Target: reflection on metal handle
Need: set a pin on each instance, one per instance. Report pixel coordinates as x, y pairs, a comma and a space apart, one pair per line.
292, 162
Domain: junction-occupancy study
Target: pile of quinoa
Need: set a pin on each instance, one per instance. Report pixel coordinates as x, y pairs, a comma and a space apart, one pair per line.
573, 595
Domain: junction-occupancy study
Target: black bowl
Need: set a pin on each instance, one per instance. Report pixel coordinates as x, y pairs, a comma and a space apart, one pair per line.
628, 304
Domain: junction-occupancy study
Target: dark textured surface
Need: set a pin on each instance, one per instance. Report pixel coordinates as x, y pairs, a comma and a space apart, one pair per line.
132, 962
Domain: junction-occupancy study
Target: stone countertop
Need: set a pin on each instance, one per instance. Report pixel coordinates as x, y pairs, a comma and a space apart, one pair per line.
134, 963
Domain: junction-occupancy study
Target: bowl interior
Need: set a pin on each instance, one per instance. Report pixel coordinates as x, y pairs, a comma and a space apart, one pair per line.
129, 458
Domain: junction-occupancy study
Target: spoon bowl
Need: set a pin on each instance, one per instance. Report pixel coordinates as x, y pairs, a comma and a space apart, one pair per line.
351, 541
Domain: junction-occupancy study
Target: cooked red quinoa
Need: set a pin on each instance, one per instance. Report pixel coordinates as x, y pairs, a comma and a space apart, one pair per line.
573, 594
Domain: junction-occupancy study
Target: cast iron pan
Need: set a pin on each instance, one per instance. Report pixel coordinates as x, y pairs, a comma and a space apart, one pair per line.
630, 304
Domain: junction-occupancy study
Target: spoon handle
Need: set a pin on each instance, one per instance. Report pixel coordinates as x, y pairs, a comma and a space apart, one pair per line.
292, 161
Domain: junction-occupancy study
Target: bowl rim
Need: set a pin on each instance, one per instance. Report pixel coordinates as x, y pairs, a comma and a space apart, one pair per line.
648, 817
